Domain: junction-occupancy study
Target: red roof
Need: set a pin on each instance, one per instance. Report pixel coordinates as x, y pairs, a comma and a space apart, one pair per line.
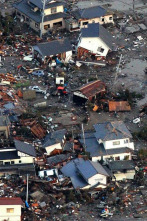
92, 88
11, 201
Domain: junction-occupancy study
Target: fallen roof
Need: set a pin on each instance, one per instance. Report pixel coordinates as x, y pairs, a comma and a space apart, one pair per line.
111, 131
38, 131
119, 106
54, 160
54, 137
11, 201
25, 148
92, 88
121, 165
95, 30
53, 47
88, 13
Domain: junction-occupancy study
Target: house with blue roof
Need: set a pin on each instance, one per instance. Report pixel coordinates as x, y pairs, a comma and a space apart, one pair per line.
95, 40
31, 11
85, 174
108, 141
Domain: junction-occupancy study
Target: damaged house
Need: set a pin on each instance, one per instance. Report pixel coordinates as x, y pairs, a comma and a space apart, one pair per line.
54, 142
48, 51
82, 17
110, 141
30, 12
91, 91
95, 41
85, 174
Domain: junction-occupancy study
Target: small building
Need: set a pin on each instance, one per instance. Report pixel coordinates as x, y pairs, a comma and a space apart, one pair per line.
48, 51
122, 170
110, 141
30, 12
85, 174
4, 127
90, 91
96, 41
18, 158
10, 208
83, 17
54, 142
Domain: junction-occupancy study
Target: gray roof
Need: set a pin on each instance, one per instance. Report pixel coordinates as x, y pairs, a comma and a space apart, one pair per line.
26, 9
95, 149
54, 137
89, 168
53, 47
88, 13
4, 121
48, 4
25, 148
68, 146
9, 155
96, 30
54, 160
121, 165
111, 131
80, 170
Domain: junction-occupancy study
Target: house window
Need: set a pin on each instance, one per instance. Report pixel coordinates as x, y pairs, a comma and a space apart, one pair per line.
27, 19
116, 143
7, 163
126, 141
1, 162
117, 158
18, 14
102, 19
110, 18
93, 21
53, 10
100, 49
12, 162
36, 25
10, 210
85, 23
19, 161
46, 27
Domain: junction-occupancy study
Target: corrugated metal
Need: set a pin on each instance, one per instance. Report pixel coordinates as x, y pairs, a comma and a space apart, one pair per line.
119, 106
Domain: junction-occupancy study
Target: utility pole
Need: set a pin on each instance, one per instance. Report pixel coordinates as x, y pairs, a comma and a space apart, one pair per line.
27, 188
83, 137
118, 69
134, 6
42, 20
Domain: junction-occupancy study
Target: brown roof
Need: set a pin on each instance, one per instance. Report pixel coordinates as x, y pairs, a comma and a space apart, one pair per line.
11, 201
38, 131
119, 106
92, 88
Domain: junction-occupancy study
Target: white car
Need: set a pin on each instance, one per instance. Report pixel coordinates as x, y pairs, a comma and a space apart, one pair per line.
28, 58
37, 89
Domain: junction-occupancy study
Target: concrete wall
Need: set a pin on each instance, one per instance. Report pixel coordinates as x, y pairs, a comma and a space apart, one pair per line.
68, 56
15, 216
97, 20
120, 176
92, 44
58, 8
105, 158
97, 178
53, 147
110, 144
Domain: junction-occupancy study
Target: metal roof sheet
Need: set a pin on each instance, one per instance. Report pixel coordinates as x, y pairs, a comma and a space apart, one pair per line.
119, 106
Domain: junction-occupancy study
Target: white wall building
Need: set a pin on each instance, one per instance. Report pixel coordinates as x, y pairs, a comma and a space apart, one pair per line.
10, 209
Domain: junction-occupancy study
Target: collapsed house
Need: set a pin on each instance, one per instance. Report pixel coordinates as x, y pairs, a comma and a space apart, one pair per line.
53, 142
91, 91
96, 41
85, 174
110, 141
30, 12
48, 51
82, 17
